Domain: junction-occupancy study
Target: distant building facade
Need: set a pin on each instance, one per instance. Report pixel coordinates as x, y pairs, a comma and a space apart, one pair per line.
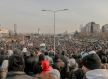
105, 28
91, 27
3, 31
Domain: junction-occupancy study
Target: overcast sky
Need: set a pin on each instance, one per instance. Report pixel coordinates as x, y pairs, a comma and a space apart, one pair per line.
28, 16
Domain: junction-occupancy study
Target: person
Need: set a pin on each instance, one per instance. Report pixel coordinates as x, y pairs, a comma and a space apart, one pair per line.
76, 71
42, 47
55, 74
48, 72
72, 63
92, 66
2, 51
25, 52
3, 67
16, 68
47, 57
10, 52
65, 69
29, 62
37, 51
59, 64
37, 69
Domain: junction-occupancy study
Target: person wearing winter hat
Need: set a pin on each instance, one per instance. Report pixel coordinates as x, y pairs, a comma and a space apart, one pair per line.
46, 66
42, 47
92, 66
48, 72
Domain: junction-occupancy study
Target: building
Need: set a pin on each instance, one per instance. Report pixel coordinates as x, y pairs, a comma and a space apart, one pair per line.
105, 28
91, 27
3, 32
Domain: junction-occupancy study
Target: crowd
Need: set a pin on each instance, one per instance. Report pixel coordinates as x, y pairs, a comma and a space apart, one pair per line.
72, 59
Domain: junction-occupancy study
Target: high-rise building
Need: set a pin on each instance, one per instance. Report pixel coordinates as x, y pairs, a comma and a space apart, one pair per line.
91, 27
105, 28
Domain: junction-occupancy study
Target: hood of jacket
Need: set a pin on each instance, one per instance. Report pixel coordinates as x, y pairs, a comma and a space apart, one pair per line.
46, 66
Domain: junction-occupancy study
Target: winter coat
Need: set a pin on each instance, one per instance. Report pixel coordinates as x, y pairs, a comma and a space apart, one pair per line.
97, 74
18, 75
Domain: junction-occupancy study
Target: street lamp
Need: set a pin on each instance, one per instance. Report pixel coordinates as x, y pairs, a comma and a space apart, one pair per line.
54, 12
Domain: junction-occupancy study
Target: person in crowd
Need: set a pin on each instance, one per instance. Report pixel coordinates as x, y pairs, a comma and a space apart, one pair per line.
37, 51
65, 69
59, 64
103, 66
42, 47
25, 51
72, 63
29, 64
51, 53
3, 66
92, 66
47, 57
2, 51
10, 52
48, 72
37, 69
76, 71
55, 74
16, 68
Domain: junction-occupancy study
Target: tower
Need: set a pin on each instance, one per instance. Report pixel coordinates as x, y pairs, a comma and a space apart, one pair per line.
15, 29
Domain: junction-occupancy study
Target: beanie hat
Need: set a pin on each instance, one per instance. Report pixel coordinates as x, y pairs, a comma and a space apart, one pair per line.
91, 60
46, 66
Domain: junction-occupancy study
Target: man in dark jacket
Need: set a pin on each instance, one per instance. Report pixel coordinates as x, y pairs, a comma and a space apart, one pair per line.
29, 62
92, 66
65, 69
16, 68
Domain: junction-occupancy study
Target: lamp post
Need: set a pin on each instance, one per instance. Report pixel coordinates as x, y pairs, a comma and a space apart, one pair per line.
54, 12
